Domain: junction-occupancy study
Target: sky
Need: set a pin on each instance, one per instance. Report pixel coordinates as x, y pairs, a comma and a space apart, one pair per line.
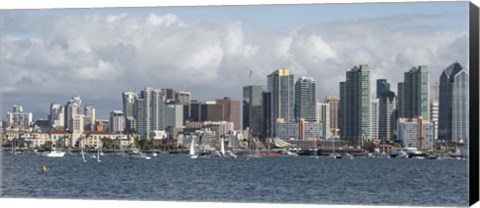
50, 55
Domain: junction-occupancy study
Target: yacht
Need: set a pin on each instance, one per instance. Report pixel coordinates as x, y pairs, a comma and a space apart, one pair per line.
54, 153
288, 153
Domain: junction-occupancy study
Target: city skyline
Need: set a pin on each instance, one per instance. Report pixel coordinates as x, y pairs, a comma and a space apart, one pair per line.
50, 59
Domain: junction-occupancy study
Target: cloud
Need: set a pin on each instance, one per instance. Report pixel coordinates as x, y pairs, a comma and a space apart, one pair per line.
98, 56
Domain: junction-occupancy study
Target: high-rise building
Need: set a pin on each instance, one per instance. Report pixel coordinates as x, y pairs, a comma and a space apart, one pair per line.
355, 105
184, 98
195, 111
280, 86
323, 118
387, 117
73, 107
333, 102
382, 87
211, 111
253, 117
454, 104
128, 99
374, 118
117, 121
231, 111
434, 117
149, 111
267, 113
57, 116
415, 94
89, 119
174, 115
305, 99
18, 118
169, 95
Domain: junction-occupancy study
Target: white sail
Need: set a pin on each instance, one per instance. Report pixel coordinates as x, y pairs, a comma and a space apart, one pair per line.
98, 151
222, 147
192, 147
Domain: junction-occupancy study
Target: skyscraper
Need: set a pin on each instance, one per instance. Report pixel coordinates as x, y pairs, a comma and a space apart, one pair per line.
89, 119
253, 110
387, 117
333, 102
374, 118
184, 98
323, 118
355, 104
415, 94
149, 108
305, 99
128, 99
73, 107
280, 87
231, 111
434, 117
57, 116
453, 107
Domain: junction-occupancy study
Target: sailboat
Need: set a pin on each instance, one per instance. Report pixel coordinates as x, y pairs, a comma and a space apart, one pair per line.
192, 150
334, 156
83, 154
222, 148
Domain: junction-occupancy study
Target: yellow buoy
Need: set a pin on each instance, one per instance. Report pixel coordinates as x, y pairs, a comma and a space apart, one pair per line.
44, 168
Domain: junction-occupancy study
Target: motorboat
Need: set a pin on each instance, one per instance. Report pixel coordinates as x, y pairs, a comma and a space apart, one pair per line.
54, 153
288, 153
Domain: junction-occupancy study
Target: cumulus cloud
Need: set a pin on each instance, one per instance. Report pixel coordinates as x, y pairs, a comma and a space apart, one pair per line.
98, 56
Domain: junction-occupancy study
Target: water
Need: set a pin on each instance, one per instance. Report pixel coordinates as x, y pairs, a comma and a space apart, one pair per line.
268, 179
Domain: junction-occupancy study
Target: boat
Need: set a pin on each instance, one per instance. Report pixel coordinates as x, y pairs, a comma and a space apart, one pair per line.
384, 155
349, 156
287, 153
192, 150
222, 148
83, 156
54, 153
336, 156
98, 151
231, 154
138, 155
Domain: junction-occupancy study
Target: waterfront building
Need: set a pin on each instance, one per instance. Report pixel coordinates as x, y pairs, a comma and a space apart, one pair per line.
298, 130
73, 107
374, 118
414, 96
230, 111
333, 103
173, 116
305, 99
149, 111
117, 121
355, 105
19, 119
415, 132
280, 86
219, 128
57, 116
323, 118
89, 119
128, 99
454, 108
253, 115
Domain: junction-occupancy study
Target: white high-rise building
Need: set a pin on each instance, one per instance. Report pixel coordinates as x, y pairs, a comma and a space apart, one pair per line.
374, 118
18, 118
149, 111
57, 116
415, 132
323, 118
434, 117
117, 121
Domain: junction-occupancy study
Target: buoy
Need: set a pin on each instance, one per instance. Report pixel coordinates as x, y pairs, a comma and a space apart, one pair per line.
44, 168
